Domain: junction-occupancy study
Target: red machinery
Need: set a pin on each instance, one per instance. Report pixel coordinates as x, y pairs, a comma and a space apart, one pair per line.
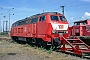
47, 29
80, 28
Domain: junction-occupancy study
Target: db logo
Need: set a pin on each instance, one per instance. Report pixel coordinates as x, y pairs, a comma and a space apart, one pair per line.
61, 26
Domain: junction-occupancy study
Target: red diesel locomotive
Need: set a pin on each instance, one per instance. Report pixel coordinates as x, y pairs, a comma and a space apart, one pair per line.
48, 29
42, 29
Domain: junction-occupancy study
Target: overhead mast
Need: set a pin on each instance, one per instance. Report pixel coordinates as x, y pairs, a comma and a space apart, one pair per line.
43, 10
62, 9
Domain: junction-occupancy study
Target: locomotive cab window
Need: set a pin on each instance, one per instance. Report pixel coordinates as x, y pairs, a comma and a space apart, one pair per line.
62, 18
42, 18
54, 18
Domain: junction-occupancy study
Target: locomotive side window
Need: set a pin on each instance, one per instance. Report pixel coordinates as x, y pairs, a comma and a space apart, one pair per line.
24, 22
34, 20
12, 25
16, 24
76, 23
54, 18
84, 23
20, 23
62, 18
29, 21
42, 18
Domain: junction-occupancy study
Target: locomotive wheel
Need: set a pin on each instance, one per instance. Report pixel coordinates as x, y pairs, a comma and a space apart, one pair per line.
56, 44
41, 44
32, 41
14, 39
18, 41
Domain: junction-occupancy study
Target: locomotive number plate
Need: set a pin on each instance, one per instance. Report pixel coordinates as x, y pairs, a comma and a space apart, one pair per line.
61, 26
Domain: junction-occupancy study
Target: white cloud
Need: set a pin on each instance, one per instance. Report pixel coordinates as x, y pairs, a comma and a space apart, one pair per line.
82, 17
72, 18
87, 15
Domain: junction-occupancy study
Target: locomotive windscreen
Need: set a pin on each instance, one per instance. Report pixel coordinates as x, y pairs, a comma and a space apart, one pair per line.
62, 18
54, 18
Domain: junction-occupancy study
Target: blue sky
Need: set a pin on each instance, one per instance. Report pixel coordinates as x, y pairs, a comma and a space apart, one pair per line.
74, 9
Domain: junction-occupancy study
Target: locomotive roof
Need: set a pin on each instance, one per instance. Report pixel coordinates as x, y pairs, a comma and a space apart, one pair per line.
81, 21
50, 13
43, 14
36, 15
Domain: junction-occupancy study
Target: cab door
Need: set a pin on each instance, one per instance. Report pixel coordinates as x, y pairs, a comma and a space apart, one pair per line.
34, 28
34, 25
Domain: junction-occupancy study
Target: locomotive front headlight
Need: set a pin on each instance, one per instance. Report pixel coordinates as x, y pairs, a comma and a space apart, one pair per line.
53, 31
66, 31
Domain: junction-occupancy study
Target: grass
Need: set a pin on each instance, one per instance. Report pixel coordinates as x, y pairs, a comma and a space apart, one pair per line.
4, 34
27, 45
15, 42
51, 49
40, 48
45, 50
